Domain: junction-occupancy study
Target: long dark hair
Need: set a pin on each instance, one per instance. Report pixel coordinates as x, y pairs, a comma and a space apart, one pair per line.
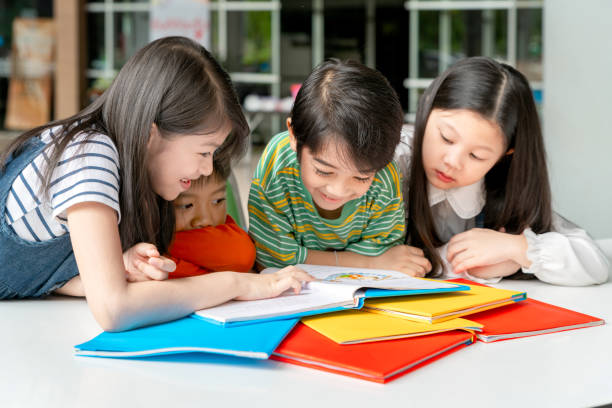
176, 84
351, 102
517, 187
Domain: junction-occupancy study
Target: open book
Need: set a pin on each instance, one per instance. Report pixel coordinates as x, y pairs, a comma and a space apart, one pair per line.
335, 288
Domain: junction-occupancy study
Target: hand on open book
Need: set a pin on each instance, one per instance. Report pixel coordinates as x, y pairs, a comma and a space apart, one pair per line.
143, 262
403, 258
256, 286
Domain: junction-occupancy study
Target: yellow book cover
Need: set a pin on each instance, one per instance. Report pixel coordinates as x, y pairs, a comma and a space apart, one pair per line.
444, 306
358, 326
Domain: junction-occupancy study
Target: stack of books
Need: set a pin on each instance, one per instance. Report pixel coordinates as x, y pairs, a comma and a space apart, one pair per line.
370, 324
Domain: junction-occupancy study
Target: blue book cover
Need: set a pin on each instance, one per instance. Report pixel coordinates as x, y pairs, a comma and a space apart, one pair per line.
376, 293
188, 335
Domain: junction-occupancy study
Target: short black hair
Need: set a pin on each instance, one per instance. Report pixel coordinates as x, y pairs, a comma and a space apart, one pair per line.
351, 102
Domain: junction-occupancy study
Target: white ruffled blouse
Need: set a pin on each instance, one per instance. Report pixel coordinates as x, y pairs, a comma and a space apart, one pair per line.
566, 255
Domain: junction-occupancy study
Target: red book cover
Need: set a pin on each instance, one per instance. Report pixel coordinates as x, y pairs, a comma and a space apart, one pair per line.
527, 318
379, 361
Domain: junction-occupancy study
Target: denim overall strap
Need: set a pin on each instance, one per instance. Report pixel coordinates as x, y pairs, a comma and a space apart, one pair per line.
30, 269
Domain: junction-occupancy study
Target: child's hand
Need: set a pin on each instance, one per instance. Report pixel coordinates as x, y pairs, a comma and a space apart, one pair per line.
498, 270
482, 247
142, 262
272, 284
403, 258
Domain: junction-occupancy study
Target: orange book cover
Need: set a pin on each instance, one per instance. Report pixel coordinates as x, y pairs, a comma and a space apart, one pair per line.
380, 361
527, 318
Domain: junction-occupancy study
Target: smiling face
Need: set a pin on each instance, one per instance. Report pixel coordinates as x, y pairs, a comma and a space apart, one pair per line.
174, 161
203, 205
460, 147
329, 178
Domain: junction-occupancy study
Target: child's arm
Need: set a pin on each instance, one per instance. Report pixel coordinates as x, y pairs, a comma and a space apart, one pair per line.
493, 273
487, 274
119, 305
403, 258
480, 247
564, 256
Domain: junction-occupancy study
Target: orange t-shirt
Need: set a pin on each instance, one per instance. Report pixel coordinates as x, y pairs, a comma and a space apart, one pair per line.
225, 247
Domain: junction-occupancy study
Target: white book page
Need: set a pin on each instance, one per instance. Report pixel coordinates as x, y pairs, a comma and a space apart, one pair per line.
334, 286
311, 297
368, 278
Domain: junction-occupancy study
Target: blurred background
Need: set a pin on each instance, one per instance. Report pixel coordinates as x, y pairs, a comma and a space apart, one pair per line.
57, 56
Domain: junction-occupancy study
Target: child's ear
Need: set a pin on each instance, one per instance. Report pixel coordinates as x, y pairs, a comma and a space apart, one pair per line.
292, 140
153, 135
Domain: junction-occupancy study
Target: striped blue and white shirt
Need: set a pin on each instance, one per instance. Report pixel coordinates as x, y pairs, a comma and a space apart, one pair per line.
88, 170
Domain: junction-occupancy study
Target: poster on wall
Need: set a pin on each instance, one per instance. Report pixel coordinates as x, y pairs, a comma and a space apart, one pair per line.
188, 18
30, 84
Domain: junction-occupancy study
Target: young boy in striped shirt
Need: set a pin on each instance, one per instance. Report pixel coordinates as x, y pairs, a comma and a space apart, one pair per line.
326, 192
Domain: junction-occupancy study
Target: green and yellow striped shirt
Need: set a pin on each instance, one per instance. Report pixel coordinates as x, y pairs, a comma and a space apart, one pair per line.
285, 224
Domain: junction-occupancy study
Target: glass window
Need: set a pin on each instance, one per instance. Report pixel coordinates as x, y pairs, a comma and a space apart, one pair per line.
529, 44
131, 34
249, 36
95, 41
445, 35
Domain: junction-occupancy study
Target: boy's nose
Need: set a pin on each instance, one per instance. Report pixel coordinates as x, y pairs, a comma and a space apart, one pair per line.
201, 220
337, 189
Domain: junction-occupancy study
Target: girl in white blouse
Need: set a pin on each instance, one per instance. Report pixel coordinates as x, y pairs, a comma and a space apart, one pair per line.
476, 184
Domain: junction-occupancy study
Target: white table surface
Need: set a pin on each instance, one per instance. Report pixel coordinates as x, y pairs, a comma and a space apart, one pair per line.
38, 368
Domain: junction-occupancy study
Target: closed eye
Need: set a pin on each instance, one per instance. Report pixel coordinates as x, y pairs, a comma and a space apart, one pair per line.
207, 154
219, 201
183, 206
322, 173
473, 156
363, 179
446, 140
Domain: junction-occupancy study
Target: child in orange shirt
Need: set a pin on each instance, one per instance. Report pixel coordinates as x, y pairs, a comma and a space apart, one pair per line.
207, 239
